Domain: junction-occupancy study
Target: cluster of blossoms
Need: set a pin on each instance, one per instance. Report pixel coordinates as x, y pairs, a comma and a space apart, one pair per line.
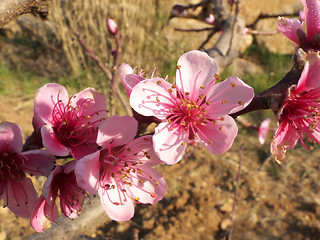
108, 156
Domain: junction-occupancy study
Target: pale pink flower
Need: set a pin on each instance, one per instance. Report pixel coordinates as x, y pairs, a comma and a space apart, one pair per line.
16, 189
299, 113
293, 28
61, 182
112, 26
122, 170
263, 130
193, 108
210, 19
69, 125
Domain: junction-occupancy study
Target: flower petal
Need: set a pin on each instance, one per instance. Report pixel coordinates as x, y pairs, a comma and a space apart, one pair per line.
170, 145
117, 204
128, 78
151, 98
218, 137
117, 130
141, 149
20, 197
289, 28
229, 96
10, 138
49, 192
41, 211
312, 17
87, 172
46, 99
197, 69
52, 143
39, 162
285, 138
309, 78
148, 186
263, 130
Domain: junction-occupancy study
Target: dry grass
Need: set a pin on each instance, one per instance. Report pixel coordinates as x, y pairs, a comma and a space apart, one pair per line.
139, 22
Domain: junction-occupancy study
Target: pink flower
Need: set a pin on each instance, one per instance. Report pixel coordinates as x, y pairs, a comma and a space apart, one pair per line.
61, 182
293, 28
68, 125
121, 171
16, 188
299, 113
210, 19
263, 130
112, 26
193, 108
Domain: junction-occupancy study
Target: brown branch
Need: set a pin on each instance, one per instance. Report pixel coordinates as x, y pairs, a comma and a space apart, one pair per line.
12, 9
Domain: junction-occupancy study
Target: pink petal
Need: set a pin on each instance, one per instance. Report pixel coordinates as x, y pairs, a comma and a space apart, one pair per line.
87, 172
285, 138
117, 204
289, 28
144, 147
309, 78
147, 191
218, 137
312, 17
128, 78
49, 191
20, 196
147, 94
39, 162
197, 69
117, 130
46, 98
170, 145
10, 138
52, 143
263, 130
229, 96
41, 211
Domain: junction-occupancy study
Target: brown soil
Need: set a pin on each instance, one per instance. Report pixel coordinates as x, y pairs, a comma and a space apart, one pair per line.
273, 202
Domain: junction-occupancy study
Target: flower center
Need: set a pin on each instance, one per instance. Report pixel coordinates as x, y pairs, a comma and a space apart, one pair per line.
72, 126
302, 112
120, 172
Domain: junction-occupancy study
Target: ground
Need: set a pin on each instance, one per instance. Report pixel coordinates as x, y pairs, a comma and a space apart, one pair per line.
273, 201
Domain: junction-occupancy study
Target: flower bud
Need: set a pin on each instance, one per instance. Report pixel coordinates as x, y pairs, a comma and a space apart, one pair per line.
112, 26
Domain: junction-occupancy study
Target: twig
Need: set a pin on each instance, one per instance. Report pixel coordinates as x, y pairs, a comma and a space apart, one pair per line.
114, 73
236, 193
94, 57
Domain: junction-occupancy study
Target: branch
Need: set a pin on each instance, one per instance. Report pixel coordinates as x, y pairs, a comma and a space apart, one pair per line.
12, 9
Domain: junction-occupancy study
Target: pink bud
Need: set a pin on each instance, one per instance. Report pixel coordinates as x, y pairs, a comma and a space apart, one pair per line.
210, 19
112, 26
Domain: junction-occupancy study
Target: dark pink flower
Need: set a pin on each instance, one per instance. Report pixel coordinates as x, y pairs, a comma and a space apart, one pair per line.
61, 182
195, 107
300, 111
69, 125
16, 189
122, 170
293, 28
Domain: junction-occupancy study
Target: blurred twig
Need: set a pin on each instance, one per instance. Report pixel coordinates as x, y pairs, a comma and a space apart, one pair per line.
236, 193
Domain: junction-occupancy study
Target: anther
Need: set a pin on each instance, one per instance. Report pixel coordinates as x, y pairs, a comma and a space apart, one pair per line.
233, 85
178, 66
